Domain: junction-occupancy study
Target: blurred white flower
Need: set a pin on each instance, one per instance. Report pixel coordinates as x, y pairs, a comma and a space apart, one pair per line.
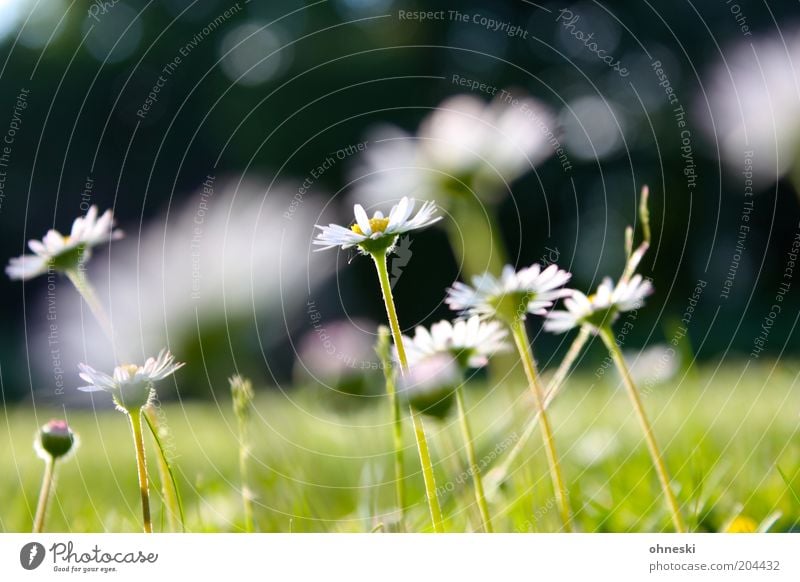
225, 257
464, 139
602, 308
378, 233
513, 294
131, 386
65, 252
596, 445
653, 365
594, 127
429, 384
471, 342
754, 102
334, 352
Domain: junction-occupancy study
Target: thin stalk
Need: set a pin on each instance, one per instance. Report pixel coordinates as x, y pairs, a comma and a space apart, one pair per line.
138, 442
391, 312
475, 236
523, 345
427, 473
383, 349
84, 287
44, 494
397, 422
473, 461
419, 432
566, 364
247, 498
655, 454
169, 485
501, 472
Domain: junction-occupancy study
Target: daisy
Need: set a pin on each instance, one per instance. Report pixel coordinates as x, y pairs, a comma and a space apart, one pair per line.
598, 313
65, 253
132, 389
471, 342
379, 233
509, 298
376, 237
512, 295
602, 308
437, 361
754, 96
130, 385
430, 384
465, 155
464, 143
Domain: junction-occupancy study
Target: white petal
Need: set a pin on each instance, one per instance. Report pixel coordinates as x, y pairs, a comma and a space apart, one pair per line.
26, 267
362, 219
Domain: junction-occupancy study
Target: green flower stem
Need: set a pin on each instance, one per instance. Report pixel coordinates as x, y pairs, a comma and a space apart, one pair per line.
419, 431
247, 497
473, 461
427, 473
84, 287
523, 345
566, 364
138, 441
501, 472
658, 462
44, 494
391, 312
397, 420
398, 453
475, 236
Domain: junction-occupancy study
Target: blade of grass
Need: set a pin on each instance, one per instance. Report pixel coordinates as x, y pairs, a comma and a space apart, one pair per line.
169, 485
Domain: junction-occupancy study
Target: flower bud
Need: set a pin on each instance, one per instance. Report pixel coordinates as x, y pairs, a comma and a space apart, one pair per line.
55, 439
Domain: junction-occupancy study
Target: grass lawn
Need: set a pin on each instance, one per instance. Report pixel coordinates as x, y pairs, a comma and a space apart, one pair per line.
725, 431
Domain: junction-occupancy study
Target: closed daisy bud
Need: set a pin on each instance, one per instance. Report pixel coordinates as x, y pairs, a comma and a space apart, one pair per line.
55, 439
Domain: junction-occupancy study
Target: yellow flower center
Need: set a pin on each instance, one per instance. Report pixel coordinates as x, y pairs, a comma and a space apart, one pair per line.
130, 368
376, 224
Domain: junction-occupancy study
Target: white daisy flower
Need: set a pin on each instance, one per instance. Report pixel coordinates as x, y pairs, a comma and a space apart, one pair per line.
513, 294
65, 252
471, 342
130, 385
378, 233
754, 96
484, 145
429, 384
602, 308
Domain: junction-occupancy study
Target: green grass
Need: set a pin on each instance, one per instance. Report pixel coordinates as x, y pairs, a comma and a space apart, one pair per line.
727, 438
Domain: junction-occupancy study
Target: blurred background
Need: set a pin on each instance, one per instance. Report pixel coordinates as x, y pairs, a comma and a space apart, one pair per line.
221, 132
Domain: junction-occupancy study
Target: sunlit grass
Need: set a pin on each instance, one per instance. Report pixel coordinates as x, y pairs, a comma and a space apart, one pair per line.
727, 435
